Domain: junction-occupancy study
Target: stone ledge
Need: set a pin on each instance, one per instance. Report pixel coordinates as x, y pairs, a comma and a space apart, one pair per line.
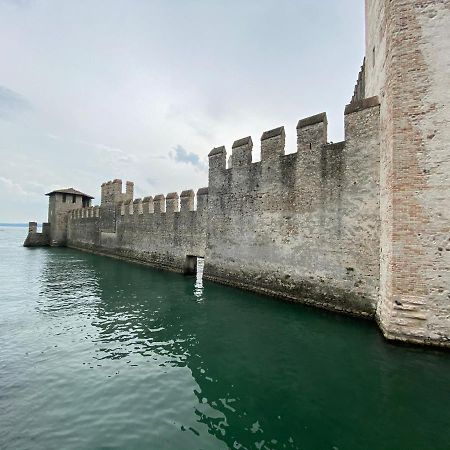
360, 105
217, 151
202, 191
312, 120
241, 142
334, 146
272, 133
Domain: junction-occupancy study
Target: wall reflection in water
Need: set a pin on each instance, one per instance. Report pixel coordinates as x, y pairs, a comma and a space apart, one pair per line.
231, 368
198, 287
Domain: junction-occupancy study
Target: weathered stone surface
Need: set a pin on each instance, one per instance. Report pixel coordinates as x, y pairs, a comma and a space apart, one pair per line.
361, 226
161, 238
35, 239
407, 66
302, 226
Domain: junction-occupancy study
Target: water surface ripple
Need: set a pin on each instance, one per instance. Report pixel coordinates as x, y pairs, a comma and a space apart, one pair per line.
96, 353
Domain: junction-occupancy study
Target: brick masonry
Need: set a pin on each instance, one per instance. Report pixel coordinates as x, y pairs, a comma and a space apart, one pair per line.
407, 66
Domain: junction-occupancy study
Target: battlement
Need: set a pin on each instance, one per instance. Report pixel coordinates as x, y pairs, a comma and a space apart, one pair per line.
172, 203
111, 192
358, 226
36, 239
275, 166
84, 213
359, 92
159, 230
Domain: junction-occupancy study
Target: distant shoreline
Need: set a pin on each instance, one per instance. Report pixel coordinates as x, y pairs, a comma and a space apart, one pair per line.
18, 225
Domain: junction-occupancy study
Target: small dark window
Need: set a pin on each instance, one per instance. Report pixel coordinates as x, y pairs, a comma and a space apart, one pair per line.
310, 145
74, 198
373, 56
64, 198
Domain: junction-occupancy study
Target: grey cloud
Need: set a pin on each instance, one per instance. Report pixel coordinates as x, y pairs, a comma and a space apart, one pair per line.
152, 182
116, 153
100, 105
111, 154
183, 114
30, 189
181, 155
12, 103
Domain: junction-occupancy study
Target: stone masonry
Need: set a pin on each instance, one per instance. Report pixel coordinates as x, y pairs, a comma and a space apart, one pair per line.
360, 226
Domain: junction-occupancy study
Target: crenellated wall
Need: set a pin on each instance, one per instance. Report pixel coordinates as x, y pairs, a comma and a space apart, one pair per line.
36, 239
155, 231
309, 226
303, 226
360, 226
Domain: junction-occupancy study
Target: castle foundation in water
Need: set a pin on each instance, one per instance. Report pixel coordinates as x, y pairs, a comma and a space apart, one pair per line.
361, 226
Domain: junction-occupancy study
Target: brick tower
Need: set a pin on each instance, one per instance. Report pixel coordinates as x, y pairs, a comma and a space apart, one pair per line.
407, 66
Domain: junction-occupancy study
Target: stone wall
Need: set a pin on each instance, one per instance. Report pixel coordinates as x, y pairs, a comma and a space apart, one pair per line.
360, 226
35, 239
152, 231
359, 93
407, 66
303, 226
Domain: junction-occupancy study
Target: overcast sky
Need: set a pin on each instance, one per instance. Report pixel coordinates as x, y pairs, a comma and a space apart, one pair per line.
143, 89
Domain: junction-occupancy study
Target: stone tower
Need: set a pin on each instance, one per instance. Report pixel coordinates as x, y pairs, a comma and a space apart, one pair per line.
61, 202
111, 196
407, 66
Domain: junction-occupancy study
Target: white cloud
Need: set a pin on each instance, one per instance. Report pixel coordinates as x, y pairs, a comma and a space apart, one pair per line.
30, 189
144, 90
12, 103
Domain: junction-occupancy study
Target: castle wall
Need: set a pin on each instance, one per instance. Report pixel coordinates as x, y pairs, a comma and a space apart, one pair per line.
35, 239
111, 195
303, 226
153, 231
360, 226
410, 45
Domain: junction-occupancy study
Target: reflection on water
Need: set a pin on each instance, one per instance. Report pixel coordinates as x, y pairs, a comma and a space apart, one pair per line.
98, 353
198, 287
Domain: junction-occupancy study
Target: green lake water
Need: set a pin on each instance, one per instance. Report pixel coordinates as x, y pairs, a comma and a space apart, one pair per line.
97, 353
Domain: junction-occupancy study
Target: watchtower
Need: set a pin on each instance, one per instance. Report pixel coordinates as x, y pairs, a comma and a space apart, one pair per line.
61, 202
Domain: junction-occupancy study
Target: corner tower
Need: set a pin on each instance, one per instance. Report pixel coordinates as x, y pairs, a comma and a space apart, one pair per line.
407, 65
61, 202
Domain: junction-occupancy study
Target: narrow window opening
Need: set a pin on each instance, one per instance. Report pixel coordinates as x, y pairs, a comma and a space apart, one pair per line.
64, 198
373, 56
310, 145
74, 198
